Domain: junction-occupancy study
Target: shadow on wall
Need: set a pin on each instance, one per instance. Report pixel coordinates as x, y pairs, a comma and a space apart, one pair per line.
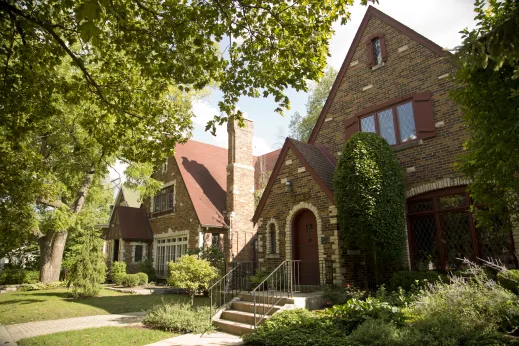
206, 181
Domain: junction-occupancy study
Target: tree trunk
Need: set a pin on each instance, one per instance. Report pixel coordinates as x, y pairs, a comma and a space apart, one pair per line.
52, 245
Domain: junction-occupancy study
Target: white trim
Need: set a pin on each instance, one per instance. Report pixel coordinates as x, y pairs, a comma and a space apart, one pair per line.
439, 184
169, 234
367, 87
301, 169
288, 229
353, 63
403, 49
328, 119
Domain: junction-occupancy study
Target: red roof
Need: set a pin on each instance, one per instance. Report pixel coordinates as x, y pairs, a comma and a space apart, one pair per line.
264, 164
204, 170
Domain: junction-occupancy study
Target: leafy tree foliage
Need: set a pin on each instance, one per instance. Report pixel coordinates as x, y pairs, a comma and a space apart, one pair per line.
301, 126
488, 95
192, 274
369, 192
83, 83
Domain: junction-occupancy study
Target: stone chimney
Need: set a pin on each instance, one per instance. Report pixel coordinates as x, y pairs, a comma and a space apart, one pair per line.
240, 191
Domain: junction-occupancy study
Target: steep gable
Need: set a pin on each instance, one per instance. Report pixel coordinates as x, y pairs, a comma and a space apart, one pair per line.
409, 56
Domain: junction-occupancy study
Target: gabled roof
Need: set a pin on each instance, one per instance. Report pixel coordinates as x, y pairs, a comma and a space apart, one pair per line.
133, 223
264, 164
204, 170
371, 12
317, 161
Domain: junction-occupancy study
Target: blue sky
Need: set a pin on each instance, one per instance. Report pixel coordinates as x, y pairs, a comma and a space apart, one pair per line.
438, 20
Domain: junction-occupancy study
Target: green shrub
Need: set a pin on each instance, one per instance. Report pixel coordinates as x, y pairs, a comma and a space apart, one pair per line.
467, 309
41, 286
409, 280
16, 276
509, 279
143, 278
87, 266
334, 295
369, 191
118, 272
147, 267
297, 327
213, 255
192, 274
375, 333
131, 280
178, 318
356, 311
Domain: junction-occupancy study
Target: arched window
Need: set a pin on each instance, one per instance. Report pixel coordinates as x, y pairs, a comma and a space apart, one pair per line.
272, 234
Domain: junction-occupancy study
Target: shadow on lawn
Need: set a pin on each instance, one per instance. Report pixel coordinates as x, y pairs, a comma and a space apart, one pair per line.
125, 303
22, 301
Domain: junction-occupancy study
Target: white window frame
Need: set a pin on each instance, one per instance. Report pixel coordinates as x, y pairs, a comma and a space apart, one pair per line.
169, 247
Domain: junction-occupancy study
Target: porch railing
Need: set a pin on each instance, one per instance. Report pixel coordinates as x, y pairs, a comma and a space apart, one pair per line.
223, 291
289, 277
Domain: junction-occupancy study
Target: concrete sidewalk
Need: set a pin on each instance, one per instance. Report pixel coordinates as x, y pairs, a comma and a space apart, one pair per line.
10, 334
213, 339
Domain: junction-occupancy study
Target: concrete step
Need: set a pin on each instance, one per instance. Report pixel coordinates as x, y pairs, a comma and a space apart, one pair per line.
246, 306
267, 299
241, 316
232, 327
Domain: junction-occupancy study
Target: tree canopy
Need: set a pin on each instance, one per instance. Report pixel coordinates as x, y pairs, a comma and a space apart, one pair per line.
301, 127
488, 94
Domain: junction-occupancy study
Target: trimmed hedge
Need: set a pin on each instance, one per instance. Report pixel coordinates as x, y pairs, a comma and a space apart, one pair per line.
118, 272
178, 318
16, 276
131, 280
143, 278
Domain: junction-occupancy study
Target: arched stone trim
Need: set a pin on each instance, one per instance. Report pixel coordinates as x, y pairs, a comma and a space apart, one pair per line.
288, 229
440, 184
268, 247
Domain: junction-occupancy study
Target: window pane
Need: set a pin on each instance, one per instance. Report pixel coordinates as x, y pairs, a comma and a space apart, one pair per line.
377, 51
367, 124
387, 127
452, 201
406, 122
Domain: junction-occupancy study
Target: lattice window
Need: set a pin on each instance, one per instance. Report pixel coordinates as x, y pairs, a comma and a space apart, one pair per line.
458, 239
426, 254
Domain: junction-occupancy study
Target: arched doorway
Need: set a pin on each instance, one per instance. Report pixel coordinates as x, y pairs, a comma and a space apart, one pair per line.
305, 248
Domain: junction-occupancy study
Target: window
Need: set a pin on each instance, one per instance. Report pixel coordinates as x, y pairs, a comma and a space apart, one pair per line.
398, 121
272, 239
137, 256
377, 52
165, 166
169, 250
214, 240
442, 230
164, 200
394, 129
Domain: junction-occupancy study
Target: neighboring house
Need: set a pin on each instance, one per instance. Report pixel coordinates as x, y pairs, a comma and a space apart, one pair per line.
393, 82
128, 235
207, 199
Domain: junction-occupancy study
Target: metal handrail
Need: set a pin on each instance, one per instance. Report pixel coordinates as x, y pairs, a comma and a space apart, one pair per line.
225, 287
274, 294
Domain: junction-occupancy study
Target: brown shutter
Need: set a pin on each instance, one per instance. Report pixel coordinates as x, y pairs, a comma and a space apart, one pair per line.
383, 49
351, 126
369, 54
423, 115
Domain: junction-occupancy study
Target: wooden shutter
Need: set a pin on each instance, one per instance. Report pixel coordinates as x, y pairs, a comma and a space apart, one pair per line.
369, 54
423, 115
351, 126
383, 49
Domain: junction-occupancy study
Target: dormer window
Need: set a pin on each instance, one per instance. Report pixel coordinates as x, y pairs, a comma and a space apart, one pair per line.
376, 53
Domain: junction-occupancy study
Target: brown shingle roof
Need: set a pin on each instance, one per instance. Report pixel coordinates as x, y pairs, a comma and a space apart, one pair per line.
204, 170
133, 223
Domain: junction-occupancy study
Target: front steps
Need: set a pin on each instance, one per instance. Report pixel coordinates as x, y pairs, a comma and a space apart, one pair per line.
238, 318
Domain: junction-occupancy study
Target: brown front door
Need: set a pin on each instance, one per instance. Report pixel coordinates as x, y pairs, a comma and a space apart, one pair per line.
305, 252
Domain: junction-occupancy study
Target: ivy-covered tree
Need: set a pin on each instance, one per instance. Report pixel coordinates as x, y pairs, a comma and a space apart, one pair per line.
488, 94
301, 126
369, 193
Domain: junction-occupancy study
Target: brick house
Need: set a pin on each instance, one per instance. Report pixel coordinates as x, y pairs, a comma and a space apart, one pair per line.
393, 82
207, 199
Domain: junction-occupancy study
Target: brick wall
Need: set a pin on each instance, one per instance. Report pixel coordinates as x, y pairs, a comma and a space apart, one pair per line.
184, 218
410, 67
240, 190
282, 207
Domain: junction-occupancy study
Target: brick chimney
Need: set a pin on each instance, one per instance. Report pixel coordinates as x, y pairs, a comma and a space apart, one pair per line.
240, 190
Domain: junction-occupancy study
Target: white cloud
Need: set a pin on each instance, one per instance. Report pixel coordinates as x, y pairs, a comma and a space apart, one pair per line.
204, 112
260, 146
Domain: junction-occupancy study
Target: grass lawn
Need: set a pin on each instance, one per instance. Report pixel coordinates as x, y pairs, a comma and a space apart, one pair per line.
99, 337
20, 307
